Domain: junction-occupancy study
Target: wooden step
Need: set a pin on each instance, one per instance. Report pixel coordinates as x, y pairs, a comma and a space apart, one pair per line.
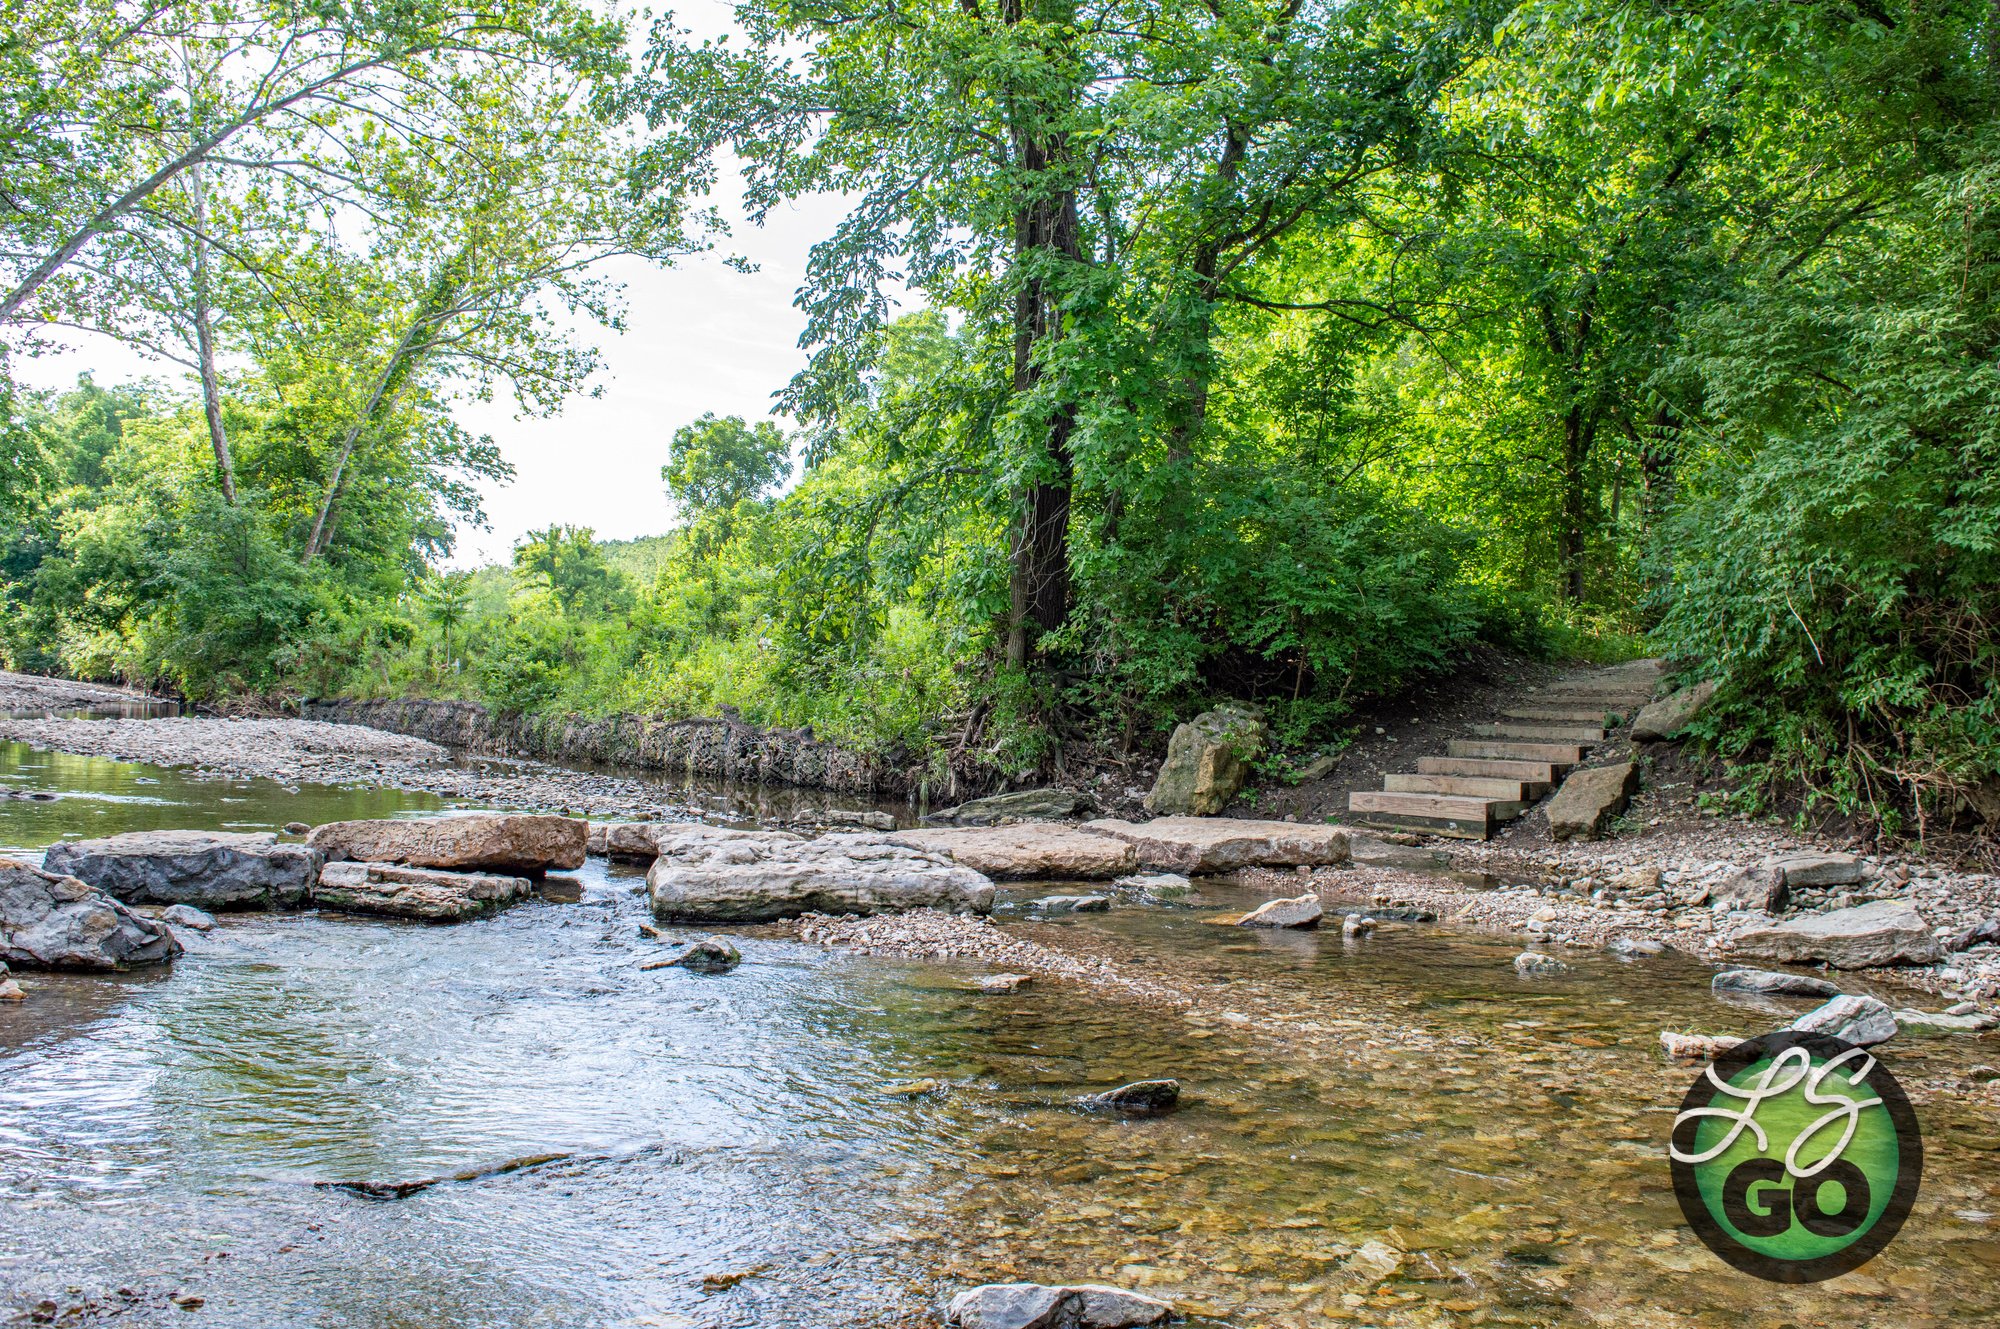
1539, 772
1608, 717
1565, 733
1562, 754
1620, 692
1467, 786
1436, 814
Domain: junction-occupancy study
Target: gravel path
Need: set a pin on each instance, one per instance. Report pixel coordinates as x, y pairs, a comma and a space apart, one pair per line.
20, 692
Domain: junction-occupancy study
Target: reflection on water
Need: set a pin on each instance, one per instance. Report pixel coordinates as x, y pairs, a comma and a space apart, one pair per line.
1501, 1139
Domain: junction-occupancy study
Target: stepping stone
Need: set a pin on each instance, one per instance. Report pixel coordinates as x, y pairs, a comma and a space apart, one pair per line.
1560, 754
1552, 732
1437, 814
1026, 850
1199, 845
1467, 786
1588, 799
1540, 772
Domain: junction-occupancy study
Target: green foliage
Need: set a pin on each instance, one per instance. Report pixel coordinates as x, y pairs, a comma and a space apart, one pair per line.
565, 562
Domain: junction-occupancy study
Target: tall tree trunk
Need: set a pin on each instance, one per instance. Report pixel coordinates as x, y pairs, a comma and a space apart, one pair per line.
1579, 433
204, 336
1045, 232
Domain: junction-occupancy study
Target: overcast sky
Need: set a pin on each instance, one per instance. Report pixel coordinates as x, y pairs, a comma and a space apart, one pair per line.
700, 337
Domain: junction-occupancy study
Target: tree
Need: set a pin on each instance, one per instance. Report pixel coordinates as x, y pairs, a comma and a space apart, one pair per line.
716, 464
566, 562
447, 599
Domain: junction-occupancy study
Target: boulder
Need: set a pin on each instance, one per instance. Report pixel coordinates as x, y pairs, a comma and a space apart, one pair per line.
1770, 983
1021, 805
1862, 1021
1034, 1306
1301, 911
209, 869
425, 894
1197, 845
1672, 713
1697, 1047
518, 843
1885, 932
1208, 758
12, 991
187, 916
1356, 925
706, 955
1025, 851
1590, 797
1141, 1098
758, 877
49, 921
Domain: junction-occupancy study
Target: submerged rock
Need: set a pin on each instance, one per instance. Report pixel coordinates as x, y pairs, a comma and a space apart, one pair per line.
12, 991
1202, 845
187, 916
757, 878
1697, 1047
1770, 983
706, 955
209, 869
49, 921
424, 894
1072, 904
1026, 851
1141, 1098
1863, 1021
1637, 946
1950, 1021
1299, 911
516, 843
1035, 1306
1531, 963
1207, 761
1003, 983
1867, 936
1021, 805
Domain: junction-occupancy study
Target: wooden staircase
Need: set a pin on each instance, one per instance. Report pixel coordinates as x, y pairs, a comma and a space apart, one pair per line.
1510, 764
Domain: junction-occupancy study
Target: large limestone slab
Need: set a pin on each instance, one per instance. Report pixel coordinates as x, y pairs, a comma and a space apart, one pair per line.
1196, 845
1026, 851
1885, 932
50, 921
1588, 799
642, 841
516, 843
758, 877
1207, 761
425, 894
1671, 714
207, 869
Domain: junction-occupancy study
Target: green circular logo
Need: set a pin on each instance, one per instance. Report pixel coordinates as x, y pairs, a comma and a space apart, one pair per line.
1796, 1157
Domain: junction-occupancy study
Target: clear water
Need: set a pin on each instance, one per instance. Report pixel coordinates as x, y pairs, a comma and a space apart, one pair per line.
162, 1133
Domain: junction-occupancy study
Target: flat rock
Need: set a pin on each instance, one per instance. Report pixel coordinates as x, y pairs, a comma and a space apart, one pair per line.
1300, 911
209, 869
1026, 851
1671, 713
1885, 932
1771, 983
1198, 845
642, 841
757, 878
1970, 1022
1589, 797
1020, 805
1072, 904
50, 921
1208, 759
1141, 1098
518, 843
1863, 1021
428, 895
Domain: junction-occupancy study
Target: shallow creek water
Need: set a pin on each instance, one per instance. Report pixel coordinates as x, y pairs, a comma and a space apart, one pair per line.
162, 1133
